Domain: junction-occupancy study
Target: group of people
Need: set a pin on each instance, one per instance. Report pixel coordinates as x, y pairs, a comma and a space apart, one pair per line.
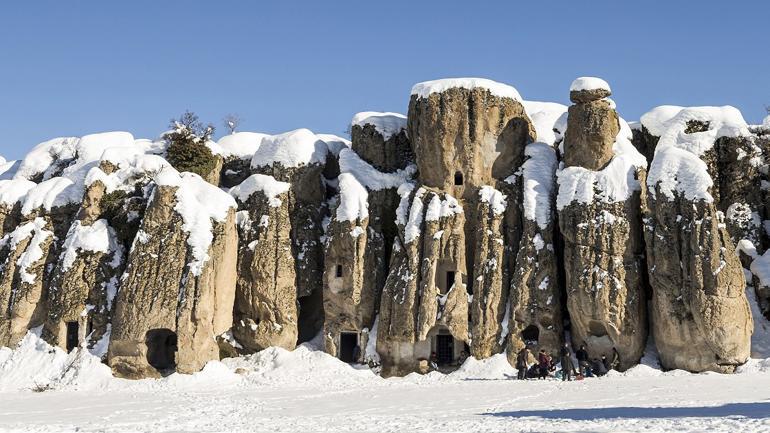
544, 365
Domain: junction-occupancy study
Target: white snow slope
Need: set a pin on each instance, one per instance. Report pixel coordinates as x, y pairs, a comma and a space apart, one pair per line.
309, 391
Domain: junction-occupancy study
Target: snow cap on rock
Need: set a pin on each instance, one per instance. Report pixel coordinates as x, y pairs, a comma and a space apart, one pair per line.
587, 89
291, 149
424, 89
387, 124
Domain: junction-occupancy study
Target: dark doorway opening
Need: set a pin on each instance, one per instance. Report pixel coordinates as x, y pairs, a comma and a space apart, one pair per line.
530, 335
450, 280
338, 271
348, 345
445, 349
72, 335
161, 349
458, 178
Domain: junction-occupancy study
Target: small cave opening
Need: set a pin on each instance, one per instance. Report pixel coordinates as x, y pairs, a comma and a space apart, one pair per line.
73, 329
349, 350
458, 178
161, 350
445, 349
530, 335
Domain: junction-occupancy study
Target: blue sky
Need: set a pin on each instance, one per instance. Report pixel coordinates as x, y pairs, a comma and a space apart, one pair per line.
76, 67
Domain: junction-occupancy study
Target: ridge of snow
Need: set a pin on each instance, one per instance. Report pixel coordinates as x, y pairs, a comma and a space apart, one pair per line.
369, 176
414, 221
198, 202
335, 143
291, 149
8, 169
589, 83
545, 117
386, 123
129, 171
98, 237
54, 192
242, 145
353, 203
426, 88
494, 198
40, 158
265, 184
358, 177
14, 190
676, 166
538, 178
614, 183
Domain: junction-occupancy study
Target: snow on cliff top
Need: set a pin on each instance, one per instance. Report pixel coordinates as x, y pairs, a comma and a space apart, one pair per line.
291, 149
387, 124
424, 89
198, 202
13, 190
8, 169
545, 117
676, 166
589, 83
267, 185
242, 145
614, 183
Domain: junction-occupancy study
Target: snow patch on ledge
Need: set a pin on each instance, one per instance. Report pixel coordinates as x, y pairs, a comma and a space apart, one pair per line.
424, 89
267, 185
538, 173
676, 166
12, 191
494, 198
614, 183
98, 237
198, 202
589, 83
443, 208
387, 124
241, 145
33, 253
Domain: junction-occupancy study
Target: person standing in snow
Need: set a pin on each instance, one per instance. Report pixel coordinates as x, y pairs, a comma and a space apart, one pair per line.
598, 367
567, 367
522, 361
544, 363
606, 363
582, 358
615, 363
357, 354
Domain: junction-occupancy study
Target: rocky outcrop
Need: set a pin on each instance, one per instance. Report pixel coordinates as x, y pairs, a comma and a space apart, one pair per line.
380, 140
600, 220
265, 312
700, 315
424, 294
177, 292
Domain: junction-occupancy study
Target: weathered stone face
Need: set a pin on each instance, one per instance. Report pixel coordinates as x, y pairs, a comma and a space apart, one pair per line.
591, 131
265, 311
163, 307
467, 132
603, 247
389, 155
424, 291
700, 316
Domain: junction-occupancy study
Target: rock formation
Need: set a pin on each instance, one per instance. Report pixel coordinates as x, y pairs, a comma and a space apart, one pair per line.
701, 318
600, 221
476, 225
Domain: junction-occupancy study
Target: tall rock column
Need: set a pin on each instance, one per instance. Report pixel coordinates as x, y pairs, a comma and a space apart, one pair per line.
600, 220
701, 318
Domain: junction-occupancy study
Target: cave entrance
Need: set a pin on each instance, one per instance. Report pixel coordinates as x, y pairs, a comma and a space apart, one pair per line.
458, 178
73, 329
338, 271
450, 280
530, 335
349, 347
161, 349
445, 349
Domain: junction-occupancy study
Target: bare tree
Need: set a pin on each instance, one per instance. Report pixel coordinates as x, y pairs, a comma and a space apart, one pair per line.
231, 122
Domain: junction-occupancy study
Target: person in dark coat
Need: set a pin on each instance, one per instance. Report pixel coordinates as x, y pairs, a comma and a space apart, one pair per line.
357, 354
615, 363
606, 362
583, 362
544, 362
567, 367
522, 358
598, 367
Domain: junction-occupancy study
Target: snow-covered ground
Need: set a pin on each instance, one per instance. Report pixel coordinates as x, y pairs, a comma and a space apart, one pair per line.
42, 389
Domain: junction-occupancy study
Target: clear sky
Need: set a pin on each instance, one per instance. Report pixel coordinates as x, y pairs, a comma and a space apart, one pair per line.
77, 67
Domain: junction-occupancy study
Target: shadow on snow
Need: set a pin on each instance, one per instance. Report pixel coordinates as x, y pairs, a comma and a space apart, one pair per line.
745, 410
